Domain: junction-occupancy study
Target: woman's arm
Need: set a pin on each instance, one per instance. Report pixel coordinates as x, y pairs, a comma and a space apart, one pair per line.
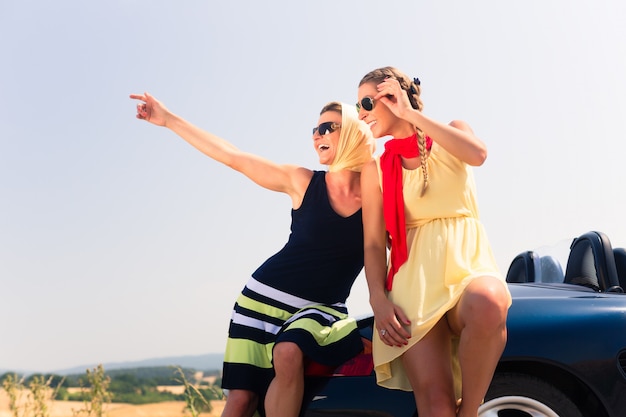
456, 137
289, 179
387, 315
374, 235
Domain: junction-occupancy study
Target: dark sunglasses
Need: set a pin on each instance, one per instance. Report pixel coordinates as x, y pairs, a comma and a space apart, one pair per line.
326, 128
367, 103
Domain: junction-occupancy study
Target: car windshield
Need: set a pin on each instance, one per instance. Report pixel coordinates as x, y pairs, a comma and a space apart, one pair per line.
552, 261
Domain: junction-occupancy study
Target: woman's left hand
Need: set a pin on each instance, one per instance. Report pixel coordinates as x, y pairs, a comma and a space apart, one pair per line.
394, 97
151, 109
391, 323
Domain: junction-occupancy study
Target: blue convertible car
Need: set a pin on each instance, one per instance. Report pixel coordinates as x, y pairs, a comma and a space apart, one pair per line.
565, 355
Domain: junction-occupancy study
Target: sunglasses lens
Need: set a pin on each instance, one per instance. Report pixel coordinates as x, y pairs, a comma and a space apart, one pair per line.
324, 128
367, 103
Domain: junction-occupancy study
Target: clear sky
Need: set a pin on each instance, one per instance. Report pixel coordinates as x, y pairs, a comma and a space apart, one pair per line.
120, 242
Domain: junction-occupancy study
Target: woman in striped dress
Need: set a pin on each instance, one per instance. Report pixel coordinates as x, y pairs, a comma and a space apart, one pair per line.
293, 307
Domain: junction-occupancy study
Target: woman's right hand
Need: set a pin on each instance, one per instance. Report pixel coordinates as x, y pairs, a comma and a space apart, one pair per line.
390, 320
151, 110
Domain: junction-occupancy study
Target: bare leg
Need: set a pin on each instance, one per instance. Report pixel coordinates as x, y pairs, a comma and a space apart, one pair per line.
284, 395
240, 403
480, 319
429, 370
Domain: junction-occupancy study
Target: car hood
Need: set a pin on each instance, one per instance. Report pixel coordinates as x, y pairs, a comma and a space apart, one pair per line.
565, 321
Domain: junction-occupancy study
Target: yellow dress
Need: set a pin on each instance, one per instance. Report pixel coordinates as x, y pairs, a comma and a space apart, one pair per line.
447, 247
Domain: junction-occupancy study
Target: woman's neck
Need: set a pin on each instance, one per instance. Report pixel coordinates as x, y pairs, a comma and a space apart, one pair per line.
402, 130
344, 179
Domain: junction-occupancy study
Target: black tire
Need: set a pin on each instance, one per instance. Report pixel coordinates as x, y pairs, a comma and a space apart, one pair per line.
519, 395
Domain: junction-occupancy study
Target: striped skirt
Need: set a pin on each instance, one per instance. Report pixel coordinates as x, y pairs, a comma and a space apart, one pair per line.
264, 316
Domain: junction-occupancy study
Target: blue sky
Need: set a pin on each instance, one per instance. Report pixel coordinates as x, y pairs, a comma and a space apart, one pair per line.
119, 242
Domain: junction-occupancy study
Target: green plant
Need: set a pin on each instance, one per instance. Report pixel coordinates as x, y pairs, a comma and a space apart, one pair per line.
32, 401
97, 394
195, 402
14, 388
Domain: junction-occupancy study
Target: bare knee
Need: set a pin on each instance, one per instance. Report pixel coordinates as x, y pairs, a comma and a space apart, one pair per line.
489, 302
429, 371
435, 395
288, 358
484, 305
240, 403
433, 401
240, 396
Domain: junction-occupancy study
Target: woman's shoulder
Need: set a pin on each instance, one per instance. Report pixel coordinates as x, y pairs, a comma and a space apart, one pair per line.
460, 124
303, 176
371, 167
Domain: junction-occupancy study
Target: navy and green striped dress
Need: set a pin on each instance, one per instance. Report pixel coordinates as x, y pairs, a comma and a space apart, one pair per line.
298, 295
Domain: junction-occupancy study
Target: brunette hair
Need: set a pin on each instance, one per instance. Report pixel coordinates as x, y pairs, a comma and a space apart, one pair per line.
413, 91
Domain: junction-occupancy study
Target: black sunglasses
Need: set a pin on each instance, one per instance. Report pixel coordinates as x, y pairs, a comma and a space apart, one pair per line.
367, 103
326, 128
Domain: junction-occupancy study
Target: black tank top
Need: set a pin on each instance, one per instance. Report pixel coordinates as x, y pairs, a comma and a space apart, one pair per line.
324, 253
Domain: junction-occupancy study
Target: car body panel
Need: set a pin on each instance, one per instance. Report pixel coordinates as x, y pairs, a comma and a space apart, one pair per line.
569, 335
566, 335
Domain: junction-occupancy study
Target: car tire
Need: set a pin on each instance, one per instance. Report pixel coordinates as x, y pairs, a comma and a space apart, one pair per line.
524, 395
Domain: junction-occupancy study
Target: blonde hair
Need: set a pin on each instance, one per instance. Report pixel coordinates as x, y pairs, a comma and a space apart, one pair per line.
356, 143
413, 91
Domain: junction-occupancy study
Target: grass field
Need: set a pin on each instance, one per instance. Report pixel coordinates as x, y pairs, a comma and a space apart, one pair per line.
165, 409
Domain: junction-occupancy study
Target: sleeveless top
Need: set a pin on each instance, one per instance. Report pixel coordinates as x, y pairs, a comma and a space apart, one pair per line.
324, 253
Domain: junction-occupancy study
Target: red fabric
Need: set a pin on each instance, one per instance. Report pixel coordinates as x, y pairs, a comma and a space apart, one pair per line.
393, 199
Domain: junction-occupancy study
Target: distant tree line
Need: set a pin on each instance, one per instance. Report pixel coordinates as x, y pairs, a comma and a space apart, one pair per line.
131, 385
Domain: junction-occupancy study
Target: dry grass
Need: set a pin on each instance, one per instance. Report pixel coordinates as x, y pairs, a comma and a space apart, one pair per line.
174, 389
165, 409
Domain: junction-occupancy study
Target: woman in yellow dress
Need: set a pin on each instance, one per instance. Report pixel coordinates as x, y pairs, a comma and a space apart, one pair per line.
440, 303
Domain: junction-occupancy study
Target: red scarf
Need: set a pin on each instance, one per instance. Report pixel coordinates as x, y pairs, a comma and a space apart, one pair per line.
393, 199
